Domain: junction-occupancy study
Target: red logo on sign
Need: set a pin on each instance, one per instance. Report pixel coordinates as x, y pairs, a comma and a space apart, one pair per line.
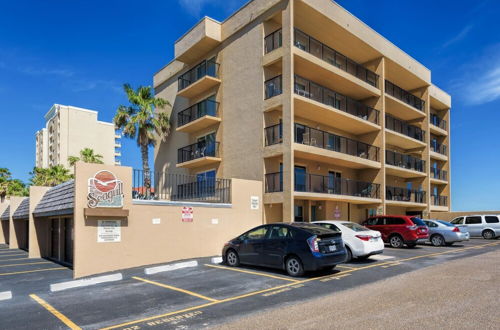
104, 181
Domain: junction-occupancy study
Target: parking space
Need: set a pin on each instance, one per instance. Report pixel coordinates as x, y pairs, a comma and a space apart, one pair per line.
203, 295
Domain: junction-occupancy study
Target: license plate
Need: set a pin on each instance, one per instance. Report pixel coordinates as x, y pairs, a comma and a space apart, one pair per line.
332, 248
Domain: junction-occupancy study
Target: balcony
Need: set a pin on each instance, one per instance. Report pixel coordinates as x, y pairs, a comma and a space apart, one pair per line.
321, 104
198, 154
402, 134
438, 200
274, 182
199, 79
273, 135
402, 103
437, 125
439, 150
272, 41
338, 149
438, 176
404, 166
198, 116
404, 196
319, 187
332, 68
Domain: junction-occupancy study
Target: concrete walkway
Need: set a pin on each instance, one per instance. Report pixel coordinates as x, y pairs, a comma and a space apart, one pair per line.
460, 294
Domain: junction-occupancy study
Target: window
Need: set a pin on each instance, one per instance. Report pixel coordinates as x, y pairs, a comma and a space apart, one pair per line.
258, 233
279, 232
299, 213
491, 219
354, 226
446, 223
330, 226
457, 221
375, 221
394, 221
472, 220
418, 221
300, 180
430, 224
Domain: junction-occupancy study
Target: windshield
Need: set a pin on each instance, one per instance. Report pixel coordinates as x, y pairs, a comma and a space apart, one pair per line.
313, 228
354, 226
418, 221
446, 223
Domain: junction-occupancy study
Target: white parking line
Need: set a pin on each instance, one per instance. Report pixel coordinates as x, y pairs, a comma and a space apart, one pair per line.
216, 260
85, 282
6, 295
381, 257
167, 268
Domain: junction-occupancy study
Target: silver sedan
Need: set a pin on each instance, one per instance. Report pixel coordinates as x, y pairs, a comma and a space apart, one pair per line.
442, 232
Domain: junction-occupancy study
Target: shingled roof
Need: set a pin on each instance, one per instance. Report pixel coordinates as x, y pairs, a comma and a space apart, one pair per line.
58, 200
5, 214
23, 210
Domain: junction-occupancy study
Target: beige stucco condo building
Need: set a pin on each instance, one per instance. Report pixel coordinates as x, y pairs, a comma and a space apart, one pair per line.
300, 94
70, 129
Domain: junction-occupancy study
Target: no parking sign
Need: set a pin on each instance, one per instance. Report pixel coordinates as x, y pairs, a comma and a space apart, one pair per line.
187, 214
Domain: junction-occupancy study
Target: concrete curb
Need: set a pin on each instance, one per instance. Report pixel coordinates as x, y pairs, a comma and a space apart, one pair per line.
167, 268
85, 282
5, 295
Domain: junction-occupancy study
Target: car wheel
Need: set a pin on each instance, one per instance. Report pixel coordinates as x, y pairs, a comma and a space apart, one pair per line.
232, 258
294, 266
437, 240
488, 234
396, 241
348, 254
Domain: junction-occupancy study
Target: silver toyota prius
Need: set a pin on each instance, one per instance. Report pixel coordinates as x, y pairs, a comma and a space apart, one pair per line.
442, 232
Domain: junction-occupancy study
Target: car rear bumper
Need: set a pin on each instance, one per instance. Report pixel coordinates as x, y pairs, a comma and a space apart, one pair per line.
370, 248
457, 237
316, 262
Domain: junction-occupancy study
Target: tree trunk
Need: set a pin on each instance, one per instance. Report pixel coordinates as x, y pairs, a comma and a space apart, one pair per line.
145, 168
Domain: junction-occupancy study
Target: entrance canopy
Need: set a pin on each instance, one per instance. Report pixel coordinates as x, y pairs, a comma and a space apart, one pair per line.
59, 200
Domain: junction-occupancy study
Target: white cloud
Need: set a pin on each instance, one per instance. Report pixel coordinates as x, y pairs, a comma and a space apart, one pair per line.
32, 71
194, 7
458, 37
85, 85
484, 88
226, 7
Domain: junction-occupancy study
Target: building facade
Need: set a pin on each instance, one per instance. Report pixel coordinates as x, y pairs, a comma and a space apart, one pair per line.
70, 129
336, 120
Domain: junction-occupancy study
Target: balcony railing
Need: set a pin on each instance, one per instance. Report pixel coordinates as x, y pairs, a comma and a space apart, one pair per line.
404, 128
338, 186
404, 195
439, 200
404, 96
439, 147
439, 174
404, 161
180, 187
272, 41
438, 122
325, 140
197, 150
331, 56
274, 182
205, 68
313, 91
204, 108
273, 87
273, 134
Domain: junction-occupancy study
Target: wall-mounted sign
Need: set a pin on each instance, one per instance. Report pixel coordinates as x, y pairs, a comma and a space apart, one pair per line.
156, 221
105, 190
336, 213
109, 231
254, 202
187, 214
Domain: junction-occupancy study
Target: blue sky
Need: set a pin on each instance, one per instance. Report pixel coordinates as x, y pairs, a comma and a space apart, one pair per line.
80, 52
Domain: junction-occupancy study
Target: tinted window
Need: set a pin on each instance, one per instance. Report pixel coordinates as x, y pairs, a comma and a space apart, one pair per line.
457, 221
418, 221
256, 233
394, 221
329, 226
491, 219
446, 223
430, 224
354, 226
473, 220
279, 232
312, 228
374, 221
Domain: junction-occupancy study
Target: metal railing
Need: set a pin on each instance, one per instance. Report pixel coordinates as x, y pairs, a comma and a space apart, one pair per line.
197, 150
338, 186
180, 187
314, 47
272, 41
404, 96
439, 200
273, 87
436, 173
404, 195
404, 161
205, 68
439, 147
321, 139
404, 128
204, 108
273, 134
274, 182
438, 122
313, 91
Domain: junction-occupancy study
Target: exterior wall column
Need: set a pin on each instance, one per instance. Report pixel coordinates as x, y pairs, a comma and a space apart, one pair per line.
38, 237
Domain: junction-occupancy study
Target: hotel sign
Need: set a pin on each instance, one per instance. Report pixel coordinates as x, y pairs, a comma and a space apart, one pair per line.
105, 190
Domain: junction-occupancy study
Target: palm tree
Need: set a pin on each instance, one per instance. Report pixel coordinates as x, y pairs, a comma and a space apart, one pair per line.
51, 176
87, 155
5, 176
17, 188
140, 121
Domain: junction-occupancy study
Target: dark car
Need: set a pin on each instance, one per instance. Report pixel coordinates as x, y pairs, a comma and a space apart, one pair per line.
296, 247
398, 230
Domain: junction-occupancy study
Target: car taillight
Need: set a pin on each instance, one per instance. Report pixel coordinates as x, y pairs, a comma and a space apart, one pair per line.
456, 230
364, 237
412, 227
313, 243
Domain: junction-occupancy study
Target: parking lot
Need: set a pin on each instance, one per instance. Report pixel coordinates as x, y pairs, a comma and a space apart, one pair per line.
201, 295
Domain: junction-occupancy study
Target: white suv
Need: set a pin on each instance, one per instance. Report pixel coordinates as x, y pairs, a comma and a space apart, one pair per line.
487, 225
